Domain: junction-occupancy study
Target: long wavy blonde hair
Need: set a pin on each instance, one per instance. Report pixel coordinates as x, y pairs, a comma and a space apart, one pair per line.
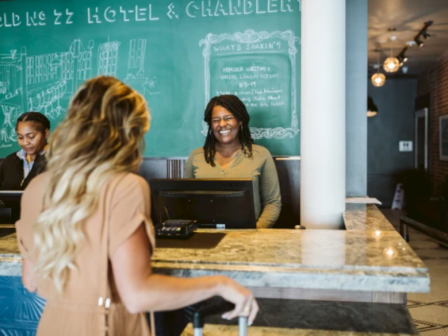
102, 135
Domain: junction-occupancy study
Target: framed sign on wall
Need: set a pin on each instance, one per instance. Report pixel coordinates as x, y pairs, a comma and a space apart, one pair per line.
421, 139
443, 137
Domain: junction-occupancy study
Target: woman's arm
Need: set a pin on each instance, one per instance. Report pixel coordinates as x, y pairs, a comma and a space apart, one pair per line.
29, 280
270, 194
140, 290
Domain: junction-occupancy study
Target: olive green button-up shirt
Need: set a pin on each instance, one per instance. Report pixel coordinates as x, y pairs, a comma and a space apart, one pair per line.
260, 168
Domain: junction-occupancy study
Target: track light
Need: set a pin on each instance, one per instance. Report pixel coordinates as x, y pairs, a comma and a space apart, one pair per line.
419, 43
423, 33
402, 57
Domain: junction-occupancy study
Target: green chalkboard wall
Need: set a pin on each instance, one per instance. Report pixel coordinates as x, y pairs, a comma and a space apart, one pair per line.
177, 53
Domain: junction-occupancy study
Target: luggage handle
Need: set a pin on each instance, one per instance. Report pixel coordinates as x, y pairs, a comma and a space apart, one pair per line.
216, 308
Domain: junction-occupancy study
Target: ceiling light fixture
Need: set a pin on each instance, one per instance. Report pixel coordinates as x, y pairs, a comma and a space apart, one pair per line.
391, 64
423, 33
402, 57
372, 109
378, 79
419, 43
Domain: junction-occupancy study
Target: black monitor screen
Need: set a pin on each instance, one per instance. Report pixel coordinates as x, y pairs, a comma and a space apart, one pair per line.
10, 206
211, 202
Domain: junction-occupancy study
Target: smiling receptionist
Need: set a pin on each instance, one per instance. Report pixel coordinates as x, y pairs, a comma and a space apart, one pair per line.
18, 169
229, 152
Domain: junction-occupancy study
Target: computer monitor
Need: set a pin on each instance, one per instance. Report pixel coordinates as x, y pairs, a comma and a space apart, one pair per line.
214, 203
10, 206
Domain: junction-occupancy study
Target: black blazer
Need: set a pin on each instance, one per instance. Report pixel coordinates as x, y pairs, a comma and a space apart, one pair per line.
11, 172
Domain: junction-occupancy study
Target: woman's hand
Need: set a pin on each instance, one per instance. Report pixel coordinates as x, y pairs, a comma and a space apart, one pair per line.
241, 297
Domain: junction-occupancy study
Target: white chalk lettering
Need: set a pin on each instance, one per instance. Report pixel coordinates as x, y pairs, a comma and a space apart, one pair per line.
191, 9
269, 76
122, 11
140, 13
94, 16
232, 69
230, 47
5, 20
213, 8
36, 19
234, 9
272, 91
42, 19
272, 6
220, 8
16, 20
257, 8
263, 46
258, 68
228, 77
251, 76
248, 7
58, 16
69, 16
110, 14
151, 18
206, 10
286, 7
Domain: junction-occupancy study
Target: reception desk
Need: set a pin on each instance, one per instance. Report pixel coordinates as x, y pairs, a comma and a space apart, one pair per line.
368, 263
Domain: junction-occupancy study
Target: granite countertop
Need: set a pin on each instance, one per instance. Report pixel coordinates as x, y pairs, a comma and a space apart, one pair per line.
369, 255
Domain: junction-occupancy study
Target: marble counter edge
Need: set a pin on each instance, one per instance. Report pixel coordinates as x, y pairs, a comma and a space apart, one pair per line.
365, 217
271, 268
326, 281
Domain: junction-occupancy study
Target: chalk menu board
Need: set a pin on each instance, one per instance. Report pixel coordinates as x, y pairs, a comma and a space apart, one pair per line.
178, 54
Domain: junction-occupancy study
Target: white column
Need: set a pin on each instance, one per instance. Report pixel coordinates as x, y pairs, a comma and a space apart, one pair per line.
322, 181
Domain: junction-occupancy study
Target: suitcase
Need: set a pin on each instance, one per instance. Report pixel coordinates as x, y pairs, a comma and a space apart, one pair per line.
217, 307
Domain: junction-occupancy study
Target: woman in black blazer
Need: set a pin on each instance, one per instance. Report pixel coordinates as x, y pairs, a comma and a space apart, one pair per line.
19, 168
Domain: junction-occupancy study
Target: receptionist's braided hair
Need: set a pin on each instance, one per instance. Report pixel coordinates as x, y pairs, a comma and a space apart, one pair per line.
39, 120
234, 105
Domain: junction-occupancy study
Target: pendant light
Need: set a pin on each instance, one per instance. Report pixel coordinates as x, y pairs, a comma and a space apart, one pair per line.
378, 79
372, 109
391, 64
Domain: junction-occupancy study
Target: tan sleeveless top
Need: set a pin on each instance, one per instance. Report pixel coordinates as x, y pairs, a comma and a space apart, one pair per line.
75, 311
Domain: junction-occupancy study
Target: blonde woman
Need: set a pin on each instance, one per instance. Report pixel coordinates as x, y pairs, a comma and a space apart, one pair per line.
90, 210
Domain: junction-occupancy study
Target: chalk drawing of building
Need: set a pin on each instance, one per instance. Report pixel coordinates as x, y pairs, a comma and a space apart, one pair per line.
136, 69
46, 82
108, 58
39, 82
136, 59
12, 99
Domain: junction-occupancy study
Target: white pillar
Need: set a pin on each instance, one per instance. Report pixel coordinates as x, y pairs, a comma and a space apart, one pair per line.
322, 181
